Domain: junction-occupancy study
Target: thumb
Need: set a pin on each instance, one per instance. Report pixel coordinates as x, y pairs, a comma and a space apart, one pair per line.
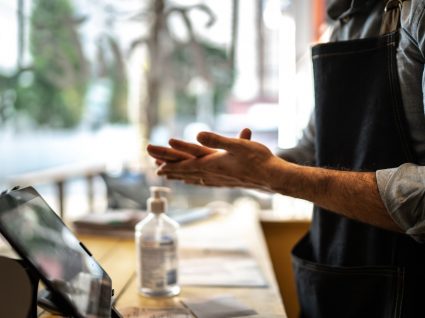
216, 141
245, 134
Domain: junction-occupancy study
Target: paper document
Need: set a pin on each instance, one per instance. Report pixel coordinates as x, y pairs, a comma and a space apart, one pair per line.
135, 312
218, 307
217, 267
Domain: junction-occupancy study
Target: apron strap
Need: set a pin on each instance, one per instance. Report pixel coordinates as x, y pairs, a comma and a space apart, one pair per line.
391, 18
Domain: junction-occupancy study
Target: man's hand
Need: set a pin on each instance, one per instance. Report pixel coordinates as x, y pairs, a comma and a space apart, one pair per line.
218, 161
181, 150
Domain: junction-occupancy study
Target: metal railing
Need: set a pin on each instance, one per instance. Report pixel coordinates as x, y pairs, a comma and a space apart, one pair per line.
59, 176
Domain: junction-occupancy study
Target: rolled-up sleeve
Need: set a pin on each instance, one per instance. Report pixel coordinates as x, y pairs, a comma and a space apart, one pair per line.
304, 152
402, 190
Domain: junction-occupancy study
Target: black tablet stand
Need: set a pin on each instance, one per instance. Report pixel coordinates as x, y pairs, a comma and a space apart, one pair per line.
19, 280
46, 300
18, 289
16, 276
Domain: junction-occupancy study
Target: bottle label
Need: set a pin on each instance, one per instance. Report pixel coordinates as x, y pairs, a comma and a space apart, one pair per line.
159, 264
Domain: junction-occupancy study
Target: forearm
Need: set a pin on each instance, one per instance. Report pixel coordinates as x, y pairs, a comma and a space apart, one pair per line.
351, 194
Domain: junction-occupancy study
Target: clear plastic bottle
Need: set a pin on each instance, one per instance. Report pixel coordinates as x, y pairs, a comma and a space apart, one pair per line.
156, 244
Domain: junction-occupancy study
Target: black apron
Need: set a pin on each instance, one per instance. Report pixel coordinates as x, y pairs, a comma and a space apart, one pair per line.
346, 268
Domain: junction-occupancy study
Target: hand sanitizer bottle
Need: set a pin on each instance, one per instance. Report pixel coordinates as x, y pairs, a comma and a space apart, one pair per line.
156, 243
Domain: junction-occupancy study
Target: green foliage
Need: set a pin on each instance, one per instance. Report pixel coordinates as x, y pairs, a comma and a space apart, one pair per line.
118, 102
222, 74
55, 96
217, 65
116, 72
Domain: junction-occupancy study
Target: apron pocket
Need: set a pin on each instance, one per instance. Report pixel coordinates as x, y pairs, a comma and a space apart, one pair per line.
341, 292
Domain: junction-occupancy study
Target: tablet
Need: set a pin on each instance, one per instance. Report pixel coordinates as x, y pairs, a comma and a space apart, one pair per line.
79, 285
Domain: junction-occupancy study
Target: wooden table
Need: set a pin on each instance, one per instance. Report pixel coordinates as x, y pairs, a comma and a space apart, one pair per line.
117, 256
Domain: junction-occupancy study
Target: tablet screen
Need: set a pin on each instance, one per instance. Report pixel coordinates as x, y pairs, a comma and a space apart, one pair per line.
41, 237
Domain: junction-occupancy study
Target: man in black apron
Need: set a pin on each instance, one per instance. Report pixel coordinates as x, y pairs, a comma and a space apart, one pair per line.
344, 268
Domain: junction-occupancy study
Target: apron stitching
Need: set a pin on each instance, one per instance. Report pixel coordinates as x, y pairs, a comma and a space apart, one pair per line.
402, 291
399, 294
395, 85
386, 275
390, 44
348, 271
394, 82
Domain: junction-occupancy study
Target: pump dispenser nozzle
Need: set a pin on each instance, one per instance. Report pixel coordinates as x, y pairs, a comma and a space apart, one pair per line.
157, 203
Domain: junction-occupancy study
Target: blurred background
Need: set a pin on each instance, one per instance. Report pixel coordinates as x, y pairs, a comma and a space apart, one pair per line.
86, 84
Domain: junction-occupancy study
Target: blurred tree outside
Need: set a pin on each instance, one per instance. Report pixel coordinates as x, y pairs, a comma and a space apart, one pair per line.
52, 90
110, 77
61, 86
117, 73
218, 75
183, 67
57, 80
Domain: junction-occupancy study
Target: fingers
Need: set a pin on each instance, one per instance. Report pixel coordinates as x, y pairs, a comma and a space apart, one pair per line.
211, 183
167, 154
182, 150
200, 151
245, 134
178, 176
213, 140
193, 149
188, 167
205, 180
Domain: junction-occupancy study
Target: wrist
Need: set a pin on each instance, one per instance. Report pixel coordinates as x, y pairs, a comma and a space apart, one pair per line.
297, 181
281, 176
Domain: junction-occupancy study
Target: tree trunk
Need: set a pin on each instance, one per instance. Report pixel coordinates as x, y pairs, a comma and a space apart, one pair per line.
150, 109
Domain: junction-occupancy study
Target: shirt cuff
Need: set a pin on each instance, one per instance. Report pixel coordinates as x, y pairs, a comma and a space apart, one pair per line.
402, 190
